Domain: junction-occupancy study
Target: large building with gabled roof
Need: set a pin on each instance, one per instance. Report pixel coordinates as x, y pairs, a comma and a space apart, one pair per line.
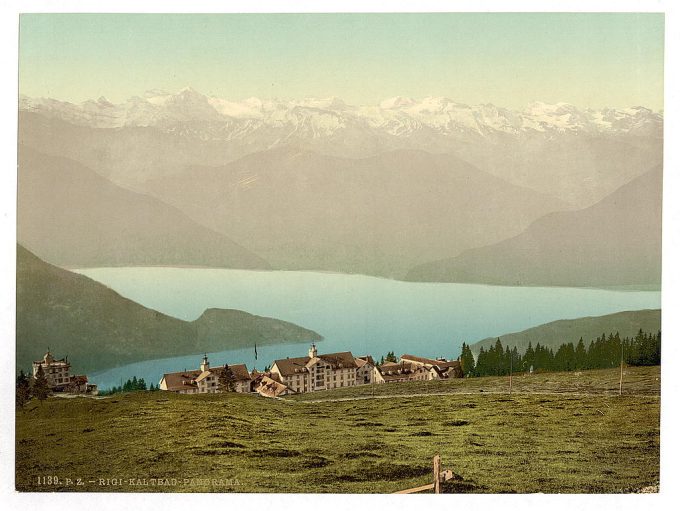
317, 372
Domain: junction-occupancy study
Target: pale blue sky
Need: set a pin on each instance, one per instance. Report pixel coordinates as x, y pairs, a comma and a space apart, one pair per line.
590, 60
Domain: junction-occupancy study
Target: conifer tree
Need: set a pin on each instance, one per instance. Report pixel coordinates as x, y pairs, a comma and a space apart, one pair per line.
482, 367
467, 361
23, 390
529, 358
516, 360
226, 380
580, 355
499, 366
41, 389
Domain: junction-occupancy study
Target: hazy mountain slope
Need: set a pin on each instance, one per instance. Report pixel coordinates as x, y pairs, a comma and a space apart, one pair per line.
378, 215
126, 155
97, 328
74, 217
571, 330
579, 169
614, 242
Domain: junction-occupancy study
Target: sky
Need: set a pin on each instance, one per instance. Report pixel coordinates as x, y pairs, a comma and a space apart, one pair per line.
589, 60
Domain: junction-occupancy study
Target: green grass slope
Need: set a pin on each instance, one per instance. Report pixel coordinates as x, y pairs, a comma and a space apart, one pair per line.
97, 328
570, 439
553, 334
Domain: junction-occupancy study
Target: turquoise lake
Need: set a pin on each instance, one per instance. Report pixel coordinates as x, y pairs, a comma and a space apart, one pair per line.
358, 313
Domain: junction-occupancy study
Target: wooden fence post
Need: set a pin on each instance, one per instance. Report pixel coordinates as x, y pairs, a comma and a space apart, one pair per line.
621, 373
439, 477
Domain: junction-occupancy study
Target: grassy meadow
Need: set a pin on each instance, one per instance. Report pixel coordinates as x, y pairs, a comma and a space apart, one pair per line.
557, 432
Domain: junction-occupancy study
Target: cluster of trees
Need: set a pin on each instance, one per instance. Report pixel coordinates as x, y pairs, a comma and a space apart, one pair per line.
603, 352
27, 387
390, 357
133, 384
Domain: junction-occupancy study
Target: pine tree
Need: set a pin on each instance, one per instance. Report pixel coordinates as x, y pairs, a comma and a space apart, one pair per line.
480, 366
580, 355
467, 361
499, 366
516, 360
656, 357
538, 359
41, 389
529, 358
391, 357
226, 380
23, 390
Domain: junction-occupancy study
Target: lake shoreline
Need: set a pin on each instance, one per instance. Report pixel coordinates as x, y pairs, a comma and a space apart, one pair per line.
365, 315
627, 287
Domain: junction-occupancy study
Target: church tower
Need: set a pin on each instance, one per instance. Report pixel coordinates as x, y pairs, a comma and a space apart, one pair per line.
205, 365
312, 351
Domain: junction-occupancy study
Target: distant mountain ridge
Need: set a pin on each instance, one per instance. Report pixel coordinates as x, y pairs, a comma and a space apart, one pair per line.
556, 333
616, 242
98, 329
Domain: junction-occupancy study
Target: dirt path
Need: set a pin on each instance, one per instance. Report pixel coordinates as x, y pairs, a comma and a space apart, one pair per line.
464, 393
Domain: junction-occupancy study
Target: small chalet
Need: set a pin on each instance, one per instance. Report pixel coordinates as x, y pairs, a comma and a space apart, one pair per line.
391, 372
365, 370
439, 368
268, 386
205, 380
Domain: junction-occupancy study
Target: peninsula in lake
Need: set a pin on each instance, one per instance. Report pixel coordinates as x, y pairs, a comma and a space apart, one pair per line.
99, 329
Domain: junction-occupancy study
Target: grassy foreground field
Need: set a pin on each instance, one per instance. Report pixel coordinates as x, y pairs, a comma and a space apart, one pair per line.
560, 432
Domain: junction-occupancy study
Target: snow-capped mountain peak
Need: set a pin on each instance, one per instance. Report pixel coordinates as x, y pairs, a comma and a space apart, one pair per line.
396, 102
319, 118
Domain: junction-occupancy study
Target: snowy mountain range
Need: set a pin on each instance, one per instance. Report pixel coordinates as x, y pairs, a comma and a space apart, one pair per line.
402, 189
211, 118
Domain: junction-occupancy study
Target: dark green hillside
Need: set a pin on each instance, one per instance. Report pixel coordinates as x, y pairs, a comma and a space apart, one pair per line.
552, 335
97, 328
